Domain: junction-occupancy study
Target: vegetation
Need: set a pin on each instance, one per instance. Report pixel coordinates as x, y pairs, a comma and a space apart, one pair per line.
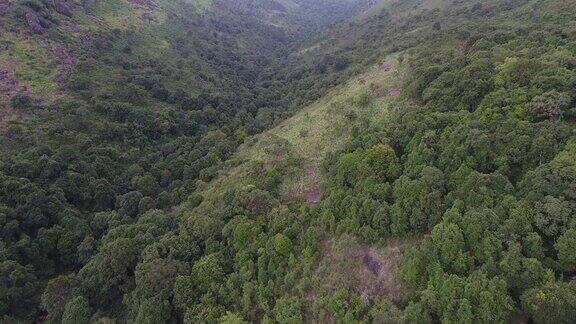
427, 176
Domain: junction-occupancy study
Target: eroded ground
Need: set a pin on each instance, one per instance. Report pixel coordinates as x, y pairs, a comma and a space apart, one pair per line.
370, 271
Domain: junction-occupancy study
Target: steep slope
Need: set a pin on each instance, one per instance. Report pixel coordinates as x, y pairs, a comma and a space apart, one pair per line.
265, 200
111, 108
432, 181
313, 134
471, 166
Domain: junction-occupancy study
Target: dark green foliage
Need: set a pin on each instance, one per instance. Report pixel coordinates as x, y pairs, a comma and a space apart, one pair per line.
288, 311
104, 217
552, 302
566, 248
76, 311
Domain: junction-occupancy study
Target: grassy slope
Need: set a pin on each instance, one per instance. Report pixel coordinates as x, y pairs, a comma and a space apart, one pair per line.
307, 137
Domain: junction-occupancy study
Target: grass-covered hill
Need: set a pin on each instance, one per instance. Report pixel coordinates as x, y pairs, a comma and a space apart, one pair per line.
246, 163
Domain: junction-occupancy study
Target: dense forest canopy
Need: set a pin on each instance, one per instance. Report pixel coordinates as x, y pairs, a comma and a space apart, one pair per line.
288, 161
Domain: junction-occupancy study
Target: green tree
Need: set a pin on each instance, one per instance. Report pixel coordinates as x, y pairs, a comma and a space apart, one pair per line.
153, 311
76, 311
288, 310
449, 247
554, 302
231, 318
282, 244
207, 272
58, 292
416, 313
128, 203
18, 288
566, 248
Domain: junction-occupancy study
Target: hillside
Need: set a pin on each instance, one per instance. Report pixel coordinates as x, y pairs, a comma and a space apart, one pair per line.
289, 161
434, 207
121, 106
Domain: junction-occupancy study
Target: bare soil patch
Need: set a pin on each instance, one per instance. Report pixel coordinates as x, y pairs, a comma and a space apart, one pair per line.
308, 188
378, 92
393, 92
386, 66
370, 271
313, 195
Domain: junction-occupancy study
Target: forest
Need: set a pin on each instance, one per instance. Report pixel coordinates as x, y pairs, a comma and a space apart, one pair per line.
288, 161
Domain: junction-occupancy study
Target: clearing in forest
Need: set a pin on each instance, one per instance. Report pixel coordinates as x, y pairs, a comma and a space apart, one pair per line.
299, 145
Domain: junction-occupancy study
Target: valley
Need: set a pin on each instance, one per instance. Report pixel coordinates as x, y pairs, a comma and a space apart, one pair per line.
287, 161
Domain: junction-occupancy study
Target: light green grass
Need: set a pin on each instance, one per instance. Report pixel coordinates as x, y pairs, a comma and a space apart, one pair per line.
309, 136
25, 56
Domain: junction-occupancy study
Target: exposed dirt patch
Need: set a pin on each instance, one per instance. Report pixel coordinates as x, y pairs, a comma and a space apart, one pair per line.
62, 8
72, 28
313, 196
378, 272
371, 272
308, 188
520, 319
378, 92
65, 59
386, 66
148, 4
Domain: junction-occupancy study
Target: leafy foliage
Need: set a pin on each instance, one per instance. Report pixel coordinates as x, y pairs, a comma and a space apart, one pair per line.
119, 200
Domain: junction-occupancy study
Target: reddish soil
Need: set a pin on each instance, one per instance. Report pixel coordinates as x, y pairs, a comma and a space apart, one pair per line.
65, 59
